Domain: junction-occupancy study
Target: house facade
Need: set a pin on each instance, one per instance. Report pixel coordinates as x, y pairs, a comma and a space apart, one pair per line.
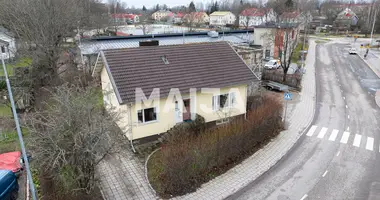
161, 15
196, 18
165, 89
256, 16
346, 20
178, 18
7, 44
273, 37
222, 18
125, 18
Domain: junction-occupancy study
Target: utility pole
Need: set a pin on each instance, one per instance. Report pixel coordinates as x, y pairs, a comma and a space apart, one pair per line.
373, 25
29, 174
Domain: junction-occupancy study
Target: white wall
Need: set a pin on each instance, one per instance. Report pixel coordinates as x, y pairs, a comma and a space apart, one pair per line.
10, 50
265, 38
222, 20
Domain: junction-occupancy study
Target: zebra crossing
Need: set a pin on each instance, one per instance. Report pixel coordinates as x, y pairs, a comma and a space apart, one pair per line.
342, 137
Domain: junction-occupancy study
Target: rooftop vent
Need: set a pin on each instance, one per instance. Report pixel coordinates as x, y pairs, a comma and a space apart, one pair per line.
165, 59
149, 43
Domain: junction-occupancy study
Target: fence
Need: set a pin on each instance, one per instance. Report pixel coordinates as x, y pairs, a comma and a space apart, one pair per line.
292, 80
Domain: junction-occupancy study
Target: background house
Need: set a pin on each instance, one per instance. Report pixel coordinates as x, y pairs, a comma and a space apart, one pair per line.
256, 16
212, 65
222, 18
178, 18
125, 18
346, 20
161, 15
196, 18
7, 44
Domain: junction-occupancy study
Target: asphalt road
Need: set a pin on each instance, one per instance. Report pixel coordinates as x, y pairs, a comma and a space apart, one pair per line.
339, 157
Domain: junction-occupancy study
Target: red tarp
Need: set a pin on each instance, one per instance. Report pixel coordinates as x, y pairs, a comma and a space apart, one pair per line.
10, 161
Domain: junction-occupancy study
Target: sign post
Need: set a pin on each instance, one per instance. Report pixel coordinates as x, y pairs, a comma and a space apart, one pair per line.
287, 97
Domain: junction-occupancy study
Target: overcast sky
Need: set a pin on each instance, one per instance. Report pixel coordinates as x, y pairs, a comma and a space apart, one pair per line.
151, 3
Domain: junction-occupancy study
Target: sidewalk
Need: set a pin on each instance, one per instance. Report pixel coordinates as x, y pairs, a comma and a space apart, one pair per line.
122, 176
372, 60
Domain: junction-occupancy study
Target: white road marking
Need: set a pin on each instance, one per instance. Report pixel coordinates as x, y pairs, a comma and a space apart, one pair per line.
344, 97
369, 145
324, 174
333, 135
322, 132
304, 197
357, 140
338, 153
346, 106
311, 131
348, 116
348, 128
345, 137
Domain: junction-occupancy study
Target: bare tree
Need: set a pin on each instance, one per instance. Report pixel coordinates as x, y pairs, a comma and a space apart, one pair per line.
286, 38
42, 26
71, 136
191, 20
145, 23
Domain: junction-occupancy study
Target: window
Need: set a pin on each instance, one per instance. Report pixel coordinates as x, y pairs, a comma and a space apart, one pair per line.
147, 115
2, 49
222, 121
267, 53
223, 101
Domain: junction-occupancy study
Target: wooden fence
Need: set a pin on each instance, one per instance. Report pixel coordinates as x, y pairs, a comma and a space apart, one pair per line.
292, 80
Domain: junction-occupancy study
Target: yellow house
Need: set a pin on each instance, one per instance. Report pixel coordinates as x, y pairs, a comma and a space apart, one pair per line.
153, 88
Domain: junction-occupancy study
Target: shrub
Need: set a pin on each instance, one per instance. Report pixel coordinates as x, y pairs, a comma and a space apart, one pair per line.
187, 161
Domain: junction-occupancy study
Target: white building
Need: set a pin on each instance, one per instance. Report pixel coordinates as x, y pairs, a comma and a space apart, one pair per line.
7, 44
161, 14
222, 18
255, 16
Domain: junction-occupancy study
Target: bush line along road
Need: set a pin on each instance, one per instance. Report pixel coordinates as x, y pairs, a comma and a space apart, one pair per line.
338, 157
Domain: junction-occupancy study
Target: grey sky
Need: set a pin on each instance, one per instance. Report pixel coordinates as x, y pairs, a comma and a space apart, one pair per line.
151, 3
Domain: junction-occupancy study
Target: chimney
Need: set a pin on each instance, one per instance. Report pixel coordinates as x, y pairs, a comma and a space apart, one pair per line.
149, 43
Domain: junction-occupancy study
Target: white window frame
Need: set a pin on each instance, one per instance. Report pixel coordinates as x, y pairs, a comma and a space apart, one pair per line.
143, 115
230, 104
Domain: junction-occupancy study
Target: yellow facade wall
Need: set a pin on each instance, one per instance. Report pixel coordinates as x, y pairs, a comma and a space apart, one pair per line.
166, 109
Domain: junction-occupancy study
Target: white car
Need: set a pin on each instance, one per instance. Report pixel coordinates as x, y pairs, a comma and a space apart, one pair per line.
352, 51
272, 64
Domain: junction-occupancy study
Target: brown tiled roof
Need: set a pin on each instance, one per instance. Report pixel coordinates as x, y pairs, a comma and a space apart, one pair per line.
201, 65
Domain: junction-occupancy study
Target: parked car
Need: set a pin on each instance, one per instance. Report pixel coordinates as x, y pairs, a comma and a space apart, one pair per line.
272, 64
8, 185
352, 51
11, 161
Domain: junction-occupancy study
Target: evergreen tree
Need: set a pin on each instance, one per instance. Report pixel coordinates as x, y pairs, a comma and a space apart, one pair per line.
144, 9
157, 7
192, 7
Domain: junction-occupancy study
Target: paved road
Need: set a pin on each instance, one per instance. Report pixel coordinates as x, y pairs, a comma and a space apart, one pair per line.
339, 157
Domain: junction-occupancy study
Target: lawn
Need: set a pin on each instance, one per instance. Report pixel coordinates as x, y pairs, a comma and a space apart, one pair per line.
5, 111
9, 140
22, 62
297, 52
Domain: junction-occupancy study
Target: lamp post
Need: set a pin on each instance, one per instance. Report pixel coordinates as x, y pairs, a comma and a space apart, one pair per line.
29, 174
373, 25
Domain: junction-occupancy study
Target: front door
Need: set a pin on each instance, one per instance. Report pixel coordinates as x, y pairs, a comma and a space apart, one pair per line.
178, 112
186, 110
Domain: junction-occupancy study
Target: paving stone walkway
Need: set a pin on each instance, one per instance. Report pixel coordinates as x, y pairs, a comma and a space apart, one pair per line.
123, 175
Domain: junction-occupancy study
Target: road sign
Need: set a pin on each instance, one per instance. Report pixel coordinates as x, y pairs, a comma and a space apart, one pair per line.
288, 96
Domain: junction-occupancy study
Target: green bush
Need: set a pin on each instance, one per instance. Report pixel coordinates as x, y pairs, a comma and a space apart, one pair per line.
185, 163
